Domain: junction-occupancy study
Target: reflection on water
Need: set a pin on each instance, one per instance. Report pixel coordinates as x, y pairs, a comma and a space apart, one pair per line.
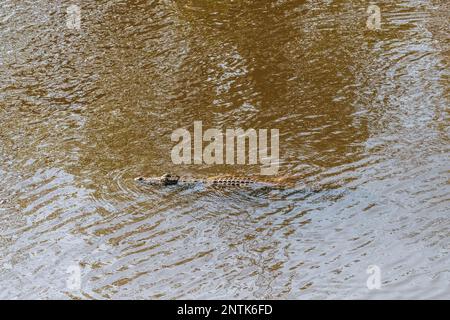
362, 114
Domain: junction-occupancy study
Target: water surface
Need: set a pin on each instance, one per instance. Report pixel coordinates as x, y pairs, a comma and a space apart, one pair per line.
362, 114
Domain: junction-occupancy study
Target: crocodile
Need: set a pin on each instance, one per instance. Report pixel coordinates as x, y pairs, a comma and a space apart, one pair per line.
225, 181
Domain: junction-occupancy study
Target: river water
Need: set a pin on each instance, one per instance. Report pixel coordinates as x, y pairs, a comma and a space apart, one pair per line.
362, 114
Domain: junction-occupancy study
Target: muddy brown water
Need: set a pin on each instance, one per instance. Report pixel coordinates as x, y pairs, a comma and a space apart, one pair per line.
361, 113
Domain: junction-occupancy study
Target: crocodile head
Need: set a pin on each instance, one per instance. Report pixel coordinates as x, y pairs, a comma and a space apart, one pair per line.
165, 180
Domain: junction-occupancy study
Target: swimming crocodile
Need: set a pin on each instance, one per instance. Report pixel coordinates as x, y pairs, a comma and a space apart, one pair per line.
228, 181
